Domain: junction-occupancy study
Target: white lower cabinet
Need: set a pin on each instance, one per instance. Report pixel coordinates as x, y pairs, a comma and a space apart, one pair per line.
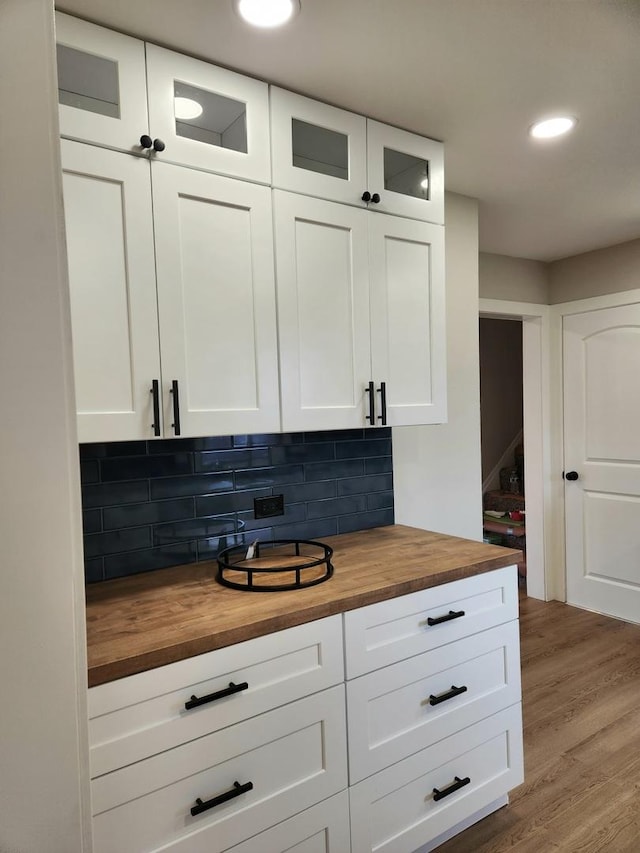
247, 748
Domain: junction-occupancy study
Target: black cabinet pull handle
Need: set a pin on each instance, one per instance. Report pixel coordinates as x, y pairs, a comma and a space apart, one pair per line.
155, 390
366, 196
146, 141
222, 798
571, 475
196, 701
371, 417
382, 390
455, 691
158, 145
176, 407
452, 614
375, 198
455, 786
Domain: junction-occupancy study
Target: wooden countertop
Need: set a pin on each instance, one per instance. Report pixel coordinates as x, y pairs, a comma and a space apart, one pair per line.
148, 620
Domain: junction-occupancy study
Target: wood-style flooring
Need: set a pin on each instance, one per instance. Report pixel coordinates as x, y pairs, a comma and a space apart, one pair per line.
581, 706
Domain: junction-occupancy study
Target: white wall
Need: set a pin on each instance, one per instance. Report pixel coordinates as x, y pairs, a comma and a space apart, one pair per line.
515, 279
43, 752
436, 469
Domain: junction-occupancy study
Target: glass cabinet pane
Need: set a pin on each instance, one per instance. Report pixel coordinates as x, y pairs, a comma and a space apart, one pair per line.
406, 174
88, 82
318, 149
210, 118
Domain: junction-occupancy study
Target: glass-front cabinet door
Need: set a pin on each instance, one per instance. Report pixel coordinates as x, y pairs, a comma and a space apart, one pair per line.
208, 117
406, 171
101, 85
317, 149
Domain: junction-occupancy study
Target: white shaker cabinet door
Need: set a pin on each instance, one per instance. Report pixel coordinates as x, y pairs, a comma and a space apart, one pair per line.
408, 331
107, 200
102, 90
406, 171
323, 313
208, 117
317, 149
216, 299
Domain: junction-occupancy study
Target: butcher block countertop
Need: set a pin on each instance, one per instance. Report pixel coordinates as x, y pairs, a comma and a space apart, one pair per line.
148, 620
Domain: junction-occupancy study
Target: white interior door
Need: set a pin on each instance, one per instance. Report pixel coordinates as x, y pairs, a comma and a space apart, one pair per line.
602, 446
216, 302
408, 328
323, 313
107, 202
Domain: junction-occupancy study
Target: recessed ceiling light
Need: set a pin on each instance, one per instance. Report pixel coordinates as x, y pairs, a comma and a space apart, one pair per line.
186, 108
267, 13
551, 127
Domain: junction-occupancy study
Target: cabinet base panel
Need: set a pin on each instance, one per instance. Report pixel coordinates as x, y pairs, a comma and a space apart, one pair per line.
464, 824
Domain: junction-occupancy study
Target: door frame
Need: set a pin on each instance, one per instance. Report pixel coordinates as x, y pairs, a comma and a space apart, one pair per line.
557, 314
545, 574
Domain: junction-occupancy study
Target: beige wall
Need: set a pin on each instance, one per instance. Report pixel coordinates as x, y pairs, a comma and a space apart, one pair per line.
513, 279
596, 273
500, 388
43, 739
437, 475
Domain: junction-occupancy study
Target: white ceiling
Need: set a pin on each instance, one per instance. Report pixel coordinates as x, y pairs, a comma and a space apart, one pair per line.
473, 73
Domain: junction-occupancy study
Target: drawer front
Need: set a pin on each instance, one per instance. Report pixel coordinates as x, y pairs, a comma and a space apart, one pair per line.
390, 711
395, 810
293, 756
321, 829
384, 633
139, 716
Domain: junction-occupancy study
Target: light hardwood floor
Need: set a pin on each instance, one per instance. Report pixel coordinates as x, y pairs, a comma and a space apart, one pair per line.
581, 706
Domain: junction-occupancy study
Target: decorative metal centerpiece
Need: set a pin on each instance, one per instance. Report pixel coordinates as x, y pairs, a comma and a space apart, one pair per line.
283, 564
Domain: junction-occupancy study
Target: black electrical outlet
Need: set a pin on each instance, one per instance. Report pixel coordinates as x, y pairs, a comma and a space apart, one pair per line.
267, 507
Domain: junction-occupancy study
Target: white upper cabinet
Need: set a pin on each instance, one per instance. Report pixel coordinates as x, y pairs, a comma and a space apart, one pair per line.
334, 154
102, 91
199, 115
109, 229
229, 134
216, 297
360, 317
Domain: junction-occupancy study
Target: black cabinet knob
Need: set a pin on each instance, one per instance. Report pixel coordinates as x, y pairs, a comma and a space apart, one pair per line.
571, 475
158, 145
146, 141
375, 198
366, 196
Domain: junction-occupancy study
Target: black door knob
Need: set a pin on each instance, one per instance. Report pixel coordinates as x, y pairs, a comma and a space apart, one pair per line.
158, 145
146, 141
571, 475
375, 198
366, 196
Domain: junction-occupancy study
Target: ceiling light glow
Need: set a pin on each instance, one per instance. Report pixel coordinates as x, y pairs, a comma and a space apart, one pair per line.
552, 127
186, 108
267, 13
424, 183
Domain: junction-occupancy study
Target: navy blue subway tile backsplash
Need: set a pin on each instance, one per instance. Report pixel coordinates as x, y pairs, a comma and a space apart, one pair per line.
151, 505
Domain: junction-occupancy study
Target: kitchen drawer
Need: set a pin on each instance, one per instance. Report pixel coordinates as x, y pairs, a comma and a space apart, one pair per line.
321, 829
142, 715
395, 810
294, 757
384, 633
389, 711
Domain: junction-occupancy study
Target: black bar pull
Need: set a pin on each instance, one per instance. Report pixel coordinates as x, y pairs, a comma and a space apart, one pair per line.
382, 390
155, 390
455, 786
455, 691
196, 701
176, 407
236, 791
452, 614
371, 417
